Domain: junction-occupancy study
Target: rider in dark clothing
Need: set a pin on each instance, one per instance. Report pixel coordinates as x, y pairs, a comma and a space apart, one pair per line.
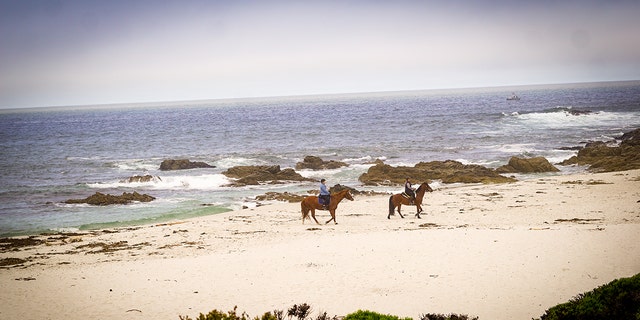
409, 190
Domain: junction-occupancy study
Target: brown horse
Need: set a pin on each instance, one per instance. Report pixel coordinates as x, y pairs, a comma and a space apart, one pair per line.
311, 204
397, 200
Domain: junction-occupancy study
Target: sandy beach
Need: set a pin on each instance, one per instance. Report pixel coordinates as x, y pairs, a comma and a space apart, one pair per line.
506, 251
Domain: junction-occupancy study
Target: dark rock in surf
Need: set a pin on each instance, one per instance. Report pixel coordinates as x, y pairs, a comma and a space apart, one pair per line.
182, 164
139, 179
339, 187
576, 112
284, 196
100, 199
239, 172
527, 165
631, 138
609, 156
574, 148
316, 163
254, 175
448, 171
451, 171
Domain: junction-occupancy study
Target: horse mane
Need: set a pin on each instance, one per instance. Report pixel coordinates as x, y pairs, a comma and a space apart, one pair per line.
422, 186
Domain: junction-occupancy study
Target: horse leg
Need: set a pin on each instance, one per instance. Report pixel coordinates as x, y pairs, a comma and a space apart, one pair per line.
419, 210
333, 216
400, 213
313, 215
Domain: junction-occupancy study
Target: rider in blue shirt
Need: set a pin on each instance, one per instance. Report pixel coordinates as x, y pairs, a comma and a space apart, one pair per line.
325, 195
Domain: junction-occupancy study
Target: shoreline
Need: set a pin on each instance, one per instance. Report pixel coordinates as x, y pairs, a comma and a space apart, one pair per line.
504, 251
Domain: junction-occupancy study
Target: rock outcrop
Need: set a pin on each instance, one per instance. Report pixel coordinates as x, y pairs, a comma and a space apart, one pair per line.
254, 175
101, 199
316, 163
280, 196
448, 171
339, 187
527, 165
606, 157
182, 164
139, 179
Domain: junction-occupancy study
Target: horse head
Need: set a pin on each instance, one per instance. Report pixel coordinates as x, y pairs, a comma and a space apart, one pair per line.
348, 195
426, 187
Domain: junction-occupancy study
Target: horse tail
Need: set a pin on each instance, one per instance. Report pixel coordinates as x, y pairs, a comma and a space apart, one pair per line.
391, 205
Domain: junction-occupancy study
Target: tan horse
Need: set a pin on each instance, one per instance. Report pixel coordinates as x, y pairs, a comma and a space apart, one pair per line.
397, 200
311, 204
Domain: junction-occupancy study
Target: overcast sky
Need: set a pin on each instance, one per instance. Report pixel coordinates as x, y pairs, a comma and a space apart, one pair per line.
56, 53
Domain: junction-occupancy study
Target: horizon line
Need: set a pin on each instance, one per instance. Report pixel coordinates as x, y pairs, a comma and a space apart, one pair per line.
298, 96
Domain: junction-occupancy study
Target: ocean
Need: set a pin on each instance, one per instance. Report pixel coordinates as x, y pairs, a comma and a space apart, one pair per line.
49, 155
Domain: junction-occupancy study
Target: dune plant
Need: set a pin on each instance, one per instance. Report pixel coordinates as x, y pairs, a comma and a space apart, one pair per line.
619, 299
371, 315
451, 316
299, 312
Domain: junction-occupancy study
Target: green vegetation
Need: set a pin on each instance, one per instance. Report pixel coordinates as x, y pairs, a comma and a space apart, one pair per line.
300, 312
619, 299
370, 315
303, 311
452, 316
231, 315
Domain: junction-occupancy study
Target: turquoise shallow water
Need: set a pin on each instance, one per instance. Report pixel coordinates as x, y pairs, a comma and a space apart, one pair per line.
53, 154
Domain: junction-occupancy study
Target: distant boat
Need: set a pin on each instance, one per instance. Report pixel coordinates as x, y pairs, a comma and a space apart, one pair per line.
513, 97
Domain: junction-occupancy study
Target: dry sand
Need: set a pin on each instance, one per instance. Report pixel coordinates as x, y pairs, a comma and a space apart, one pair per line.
507, 251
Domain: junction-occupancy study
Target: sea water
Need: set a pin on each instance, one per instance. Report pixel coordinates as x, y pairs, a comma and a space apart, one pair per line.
49, 155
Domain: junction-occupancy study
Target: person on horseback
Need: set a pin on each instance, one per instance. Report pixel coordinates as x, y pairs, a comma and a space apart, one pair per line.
409, 190
325, 195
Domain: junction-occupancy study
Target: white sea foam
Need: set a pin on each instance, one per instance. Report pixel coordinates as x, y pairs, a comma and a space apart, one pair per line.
512, 114
72, 205
200, 182
559, 156
516, 148
236, 161
489, 164
337, 176
363, 160
144, 165
565, 119
83, 158
65, 230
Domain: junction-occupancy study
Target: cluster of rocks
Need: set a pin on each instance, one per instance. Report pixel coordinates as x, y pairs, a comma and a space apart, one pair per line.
618, 155
451, 171
280, 196
101, 199
622, 154
448, 171
528, 165
316, 163
254, 175
182, 164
